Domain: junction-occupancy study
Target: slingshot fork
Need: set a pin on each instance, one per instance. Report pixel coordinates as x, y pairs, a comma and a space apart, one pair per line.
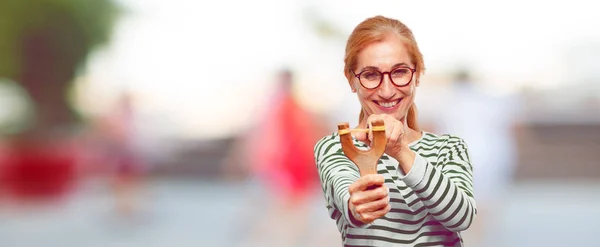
365, 160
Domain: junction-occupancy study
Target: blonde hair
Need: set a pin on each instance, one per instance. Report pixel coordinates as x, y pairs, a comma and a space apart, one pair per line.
376, 29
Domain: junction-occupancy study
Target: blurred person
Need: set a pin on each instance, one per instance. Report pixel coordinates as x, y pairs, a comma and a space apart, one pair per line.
277, 154
117, 133
423, 192
488, 121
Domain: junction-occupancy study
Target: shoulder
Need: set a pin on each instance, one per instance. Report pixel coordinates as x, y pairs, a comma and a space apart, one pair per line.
326, 143
333, 137
328, 153
440, 141
456, 146
444, 147
429, 139
453, 139
444, 138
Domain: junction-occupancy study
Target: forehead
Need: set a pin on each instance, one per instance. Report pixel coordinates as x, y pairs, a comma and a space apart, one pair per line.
384, 54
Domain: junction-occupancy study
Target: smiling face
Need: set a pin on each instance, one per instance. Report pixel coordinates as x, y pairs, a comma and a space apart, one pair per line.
384, 56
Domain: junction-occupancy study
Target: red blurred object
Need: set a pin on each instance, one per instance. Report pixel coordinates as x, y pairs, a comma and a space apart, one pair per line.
38, 171
284, 151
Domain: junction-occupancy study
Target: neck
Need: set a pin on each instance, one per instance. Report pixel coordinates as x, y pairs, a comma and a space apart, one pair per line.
411, 134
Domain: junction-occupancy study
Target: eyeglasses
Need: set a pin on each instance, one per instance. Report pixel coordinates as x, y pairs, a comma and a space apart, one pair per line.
371, 79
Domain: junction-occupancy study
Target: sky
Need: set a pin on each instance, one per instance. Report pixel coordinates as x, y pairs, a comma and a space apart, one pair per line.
203, 69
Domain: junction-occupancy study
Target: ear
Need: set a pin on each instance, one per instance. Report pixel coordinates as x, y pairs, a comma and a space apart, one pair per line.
351, 84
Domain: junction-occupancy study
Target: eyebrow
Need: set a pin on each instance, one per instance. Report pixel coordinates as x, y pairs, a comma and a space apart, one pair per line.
393, 67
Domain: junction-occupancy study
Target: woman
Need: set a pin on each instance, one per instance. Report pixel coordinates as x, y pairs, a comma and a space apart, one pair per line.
423, 193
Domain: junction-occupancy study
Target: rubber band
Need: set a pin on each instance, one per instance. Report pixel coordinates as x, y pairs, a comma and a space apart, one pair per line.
375, 128
378, 128
344, 131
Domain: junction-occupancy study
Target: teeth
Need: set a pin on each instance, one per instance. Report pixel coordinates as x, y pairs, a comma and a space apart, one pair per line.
388, 104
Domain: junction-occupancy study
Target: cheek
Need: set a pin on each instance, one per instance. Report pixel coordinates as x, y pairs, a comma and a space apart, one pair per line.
409, 91
409, 95
364, 94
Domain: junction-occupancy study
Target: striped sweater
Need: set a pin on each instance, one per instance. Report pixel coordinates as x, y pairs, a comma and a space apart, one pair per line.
431, 204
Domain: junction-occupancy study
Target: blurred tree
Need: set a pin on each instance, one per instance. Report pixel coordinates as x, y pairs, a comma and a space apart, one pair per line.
43, 43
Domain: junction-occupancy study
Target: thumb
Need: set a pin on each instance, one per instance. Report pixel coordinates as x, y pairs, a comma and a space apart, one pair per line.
362, 136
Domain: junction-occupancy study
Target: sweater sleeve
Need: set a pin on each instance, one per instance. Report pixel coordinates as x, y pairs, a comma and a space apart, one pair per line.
336, 173
447, 188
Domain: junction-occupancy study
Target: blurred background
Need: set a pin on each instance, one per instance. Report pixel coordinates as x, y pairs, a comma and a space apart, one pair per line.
170, 123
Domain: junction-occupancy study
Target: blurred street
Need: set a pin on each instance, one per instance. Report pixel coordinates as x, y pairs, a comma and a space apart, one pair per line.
203, 213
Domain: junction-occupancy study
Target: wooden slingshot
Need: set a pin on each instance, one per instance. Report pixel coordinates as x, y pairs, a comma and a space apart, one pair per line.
365, 160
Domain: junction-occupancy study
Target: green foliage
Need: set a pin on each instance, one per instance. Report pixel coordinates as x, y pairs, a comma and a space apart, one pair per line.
92, 19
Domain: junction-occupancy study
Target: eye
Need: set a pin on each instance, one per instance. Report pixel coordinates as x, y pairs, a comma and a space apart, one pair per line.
400, 72
371, 75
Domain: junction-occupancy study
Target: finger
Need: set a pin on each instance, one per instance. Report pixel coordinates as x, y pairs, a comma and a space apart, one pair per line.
372, 216
361, 136
373, 118
373, 206
391, 124
367, 196
389, 127
365, 181
396, 132
370, 136
380, 213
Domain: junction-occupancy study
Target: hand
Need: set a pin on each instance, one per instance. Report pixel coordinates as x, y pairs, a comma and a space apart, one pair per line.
397, 146
369, 199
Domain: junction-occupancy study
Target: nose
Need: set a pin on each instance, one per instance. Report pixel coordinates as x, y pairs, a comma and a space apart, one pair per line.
387, 89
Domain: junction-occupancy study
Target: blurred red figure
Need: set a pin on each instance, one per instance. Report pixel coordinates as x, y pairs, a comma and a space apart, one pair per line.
283, 147
278, 154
